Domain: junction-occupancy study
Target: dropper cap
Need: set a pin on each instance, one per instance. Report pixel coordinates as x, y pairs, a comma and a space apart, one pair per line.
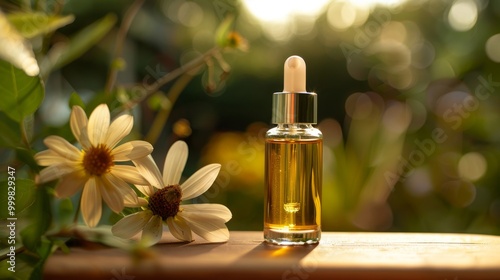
294, 104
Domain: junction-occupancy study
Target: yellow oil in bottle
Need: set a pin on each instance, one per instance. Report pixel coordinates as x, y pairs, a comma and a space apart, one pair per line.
293, 173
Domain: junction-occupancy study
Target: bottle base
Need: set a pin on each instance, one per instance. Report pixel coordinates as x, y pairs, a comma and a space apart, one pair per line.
292, 237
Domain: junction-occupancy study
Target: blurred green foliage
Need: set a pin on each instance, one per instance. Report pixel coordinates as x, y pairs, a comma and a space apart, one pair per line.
408, 103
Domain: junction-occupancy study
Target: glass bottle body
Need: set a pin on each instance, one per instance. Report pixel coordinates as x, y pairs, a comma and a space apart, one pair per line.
293, 178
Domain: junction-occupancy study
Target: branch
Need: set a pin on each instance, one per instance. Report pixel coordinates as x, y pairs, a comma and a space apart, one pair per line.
120, 41
154, 87
17, 251
162, 116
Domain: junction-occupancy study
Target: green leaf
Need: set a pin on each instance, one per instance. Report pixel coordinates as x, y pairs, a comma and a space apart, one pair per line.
28, 127
84, 40
44, 251
33, 24
76, 100
29, 265
24, 267
61, 244
103, 235
11, 132
40, 217
222, 32
24, 196
21, 94
27, 157
159, 101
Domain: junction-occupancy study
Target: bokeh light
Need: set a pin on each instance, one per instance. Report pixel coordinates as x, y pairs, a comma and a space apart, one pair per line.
446, 104
332, 132
344, 14
397, 117
472, 166
358, 106
419, 182
459, 193
423, 54
182, 128
187, 13
463, 15
493, 47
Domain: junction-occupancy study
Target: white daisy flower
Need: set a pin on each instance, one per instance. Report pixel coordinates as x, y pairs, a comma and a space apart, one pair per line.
162, 204
93, 166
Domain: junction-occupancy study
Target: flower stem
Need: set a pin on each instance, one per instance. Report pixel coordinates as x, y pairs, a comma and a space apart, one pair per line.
75, 218
162, 116
24, 134
120, 40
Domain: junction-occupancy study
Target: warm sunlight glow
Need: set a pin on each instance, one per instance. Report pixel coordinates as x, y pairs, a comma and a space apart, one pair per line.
281, 19
370, 3
284, 10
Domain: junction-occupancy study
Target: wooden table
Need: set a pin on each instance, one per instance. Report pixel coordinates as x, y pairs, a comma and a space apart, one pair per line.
340, 255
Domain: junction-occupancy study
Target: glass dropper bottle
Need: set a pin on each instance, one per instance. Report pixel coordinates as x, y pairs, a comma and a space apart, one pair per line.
293, 163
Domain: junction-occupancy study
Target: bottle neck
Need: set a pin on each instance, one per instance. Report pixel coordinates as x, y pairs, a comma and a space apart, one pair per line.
294, 131
289, 126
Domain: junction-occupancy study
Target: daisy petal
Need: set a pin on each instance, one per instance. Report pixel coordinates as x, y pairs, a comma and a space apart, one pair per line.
148, 169
208, 209
147, 190
118, 129
91, 205
62, 147
210, 228
129, 196
98, 125
48, 157
141, 202
129, 174
200, 181
110, 193
126, 192
132, 150
132, 224
78, 122
153, 230
54, 172
70, 184
174, 163
179, 229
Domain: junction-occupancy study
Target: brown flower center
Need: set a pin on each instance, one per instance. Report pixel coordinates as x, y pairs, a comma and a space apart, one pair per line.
97, 160
165, 202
